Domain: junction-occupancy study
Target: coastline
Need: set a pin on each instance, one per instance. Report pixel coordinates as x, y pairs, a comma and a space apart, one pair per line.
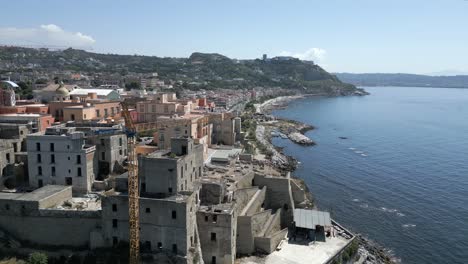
369, 251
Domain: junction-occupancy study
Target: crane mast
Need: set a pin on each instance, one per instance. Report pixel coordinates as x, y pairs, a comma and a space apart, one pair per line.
133, 188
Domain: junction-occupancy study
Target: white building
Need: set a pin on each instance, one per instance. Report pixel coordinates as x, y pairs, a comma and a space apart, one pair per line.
61, 157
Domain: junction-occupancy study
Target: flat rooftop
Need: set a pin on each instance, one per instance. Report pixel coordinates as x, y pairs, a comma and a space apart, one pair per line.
224, 208
90, 203
36, 195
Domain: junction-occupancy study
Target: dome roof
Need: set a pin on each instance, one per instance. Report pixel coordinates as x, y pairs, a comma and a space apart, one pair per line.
62, 91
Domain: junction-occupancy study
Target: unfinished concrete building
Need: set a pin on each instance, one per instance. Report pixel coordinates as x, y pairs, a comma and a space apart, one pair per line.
168, 172
61, 156
226, 127
217, 226
111, 149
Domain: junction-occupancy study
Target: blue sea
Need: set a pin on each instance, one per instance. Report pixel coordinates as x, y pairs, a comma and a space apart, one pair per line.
399, 175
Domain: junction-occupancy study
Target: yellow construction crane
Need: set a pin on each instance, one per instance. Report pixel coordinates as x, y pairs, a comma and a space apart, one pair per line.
133, 189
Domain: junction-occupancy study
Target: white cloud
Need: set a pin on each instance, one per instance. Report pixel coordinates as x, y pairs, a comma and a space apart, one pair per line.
315, 54
44, 35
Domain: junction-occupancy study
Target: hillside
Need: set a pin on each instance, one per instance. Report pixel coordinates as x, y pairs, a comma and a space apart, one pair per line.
408, 80
200, 70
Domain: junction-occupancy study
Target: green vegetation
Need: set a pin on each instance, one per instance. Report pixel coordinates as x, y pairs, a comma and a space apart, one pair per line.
132, 85
25, 91
37, 258
199, 71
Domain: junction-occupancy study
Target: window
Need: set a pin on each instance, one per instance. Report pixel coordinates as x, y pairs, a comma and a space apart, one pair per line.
285, 207
114, 223
102, 142
78, 159
52, 158
213, 236
40, 183
174, 248
181, 187
39, 171
181, 172
112, 110
114, 207
115, 241
153, 108
120, 152
105, 112
53, 171
170, 190
38, 146
98, 114
206, 218
68, 181
213, 260
147, 245
103, 155
120, 141
15, 147
78, 172
52, 147
215, 218
159, 245
39, 158
148, 210
72, 117
143, 187
174, 215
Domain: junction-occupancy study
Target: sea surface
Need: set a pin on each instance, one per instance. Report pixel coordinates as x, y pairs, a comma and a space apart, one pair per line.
399, 175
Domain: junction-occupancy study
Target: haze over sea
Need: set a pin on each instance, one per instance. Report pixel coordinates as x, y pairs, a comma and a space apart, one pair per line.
401, 176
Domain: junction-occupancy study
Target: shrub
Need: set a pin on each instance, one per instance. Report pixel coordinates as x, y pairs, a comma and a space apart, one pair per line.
37, 258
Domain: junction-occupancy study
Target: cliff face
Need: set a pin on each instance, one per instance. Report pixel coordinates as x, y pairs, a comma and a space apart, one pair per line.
200, 70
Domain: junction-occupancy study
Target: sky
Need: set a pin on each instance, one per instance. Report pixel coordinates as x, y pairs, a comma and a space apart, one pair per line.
406, 36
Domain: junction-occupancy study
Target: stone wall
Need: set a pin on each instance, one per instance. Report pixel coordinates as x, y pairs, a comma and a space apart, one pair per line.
278, 195
256, 203
48, 227
247, 228
268, 244
243, 196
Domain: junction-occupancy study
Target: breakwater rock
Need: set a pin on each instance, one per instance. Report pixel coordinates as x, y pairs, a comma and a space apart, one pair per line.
301, 139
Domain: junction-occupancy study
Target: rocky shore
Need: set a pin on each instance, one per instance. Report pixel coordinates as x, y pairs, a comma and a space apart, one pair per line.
369, 252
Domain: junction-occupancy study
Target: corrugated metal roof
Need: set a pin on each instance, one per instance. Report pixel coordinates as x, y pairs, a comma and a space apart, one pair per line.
310, 218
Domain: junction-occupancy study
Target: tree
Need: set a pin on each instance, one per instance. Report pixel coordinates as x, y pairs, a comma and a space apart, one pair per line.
132, 85
37, 258
25, 90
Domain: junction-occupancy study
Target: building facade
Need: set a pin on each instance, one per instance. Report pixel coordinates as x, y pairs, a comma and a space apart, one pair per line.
61, 156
